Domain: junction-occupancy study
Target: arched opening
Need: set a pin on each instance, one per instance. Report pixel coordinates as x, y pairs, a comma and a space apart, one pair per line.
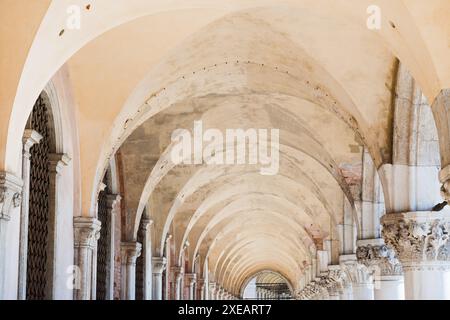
267, 285
40, 235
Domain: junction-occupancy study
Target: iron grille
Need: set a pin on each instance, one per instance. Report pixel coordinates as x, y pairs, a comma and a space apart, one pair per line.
140, 268
38, 227
103, 245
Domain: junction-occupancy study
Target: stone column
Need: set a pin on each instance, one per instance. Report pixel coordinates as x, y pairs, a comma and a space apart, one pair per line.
113, 209
200, 289
10, 200
30, 138
212, 291
191, 280
130, 252
385, 268
420, 240
177, 274
146, 253
360, 277
158, 267
56, 163
86, 234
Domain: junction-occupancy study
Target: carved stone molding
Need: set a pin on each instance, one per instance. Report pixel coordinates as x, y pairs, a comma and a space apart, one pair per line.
10, 194
313, 291
191, 278
130, 252
420, 239
86, 232
158, 265
355, 272
380, 259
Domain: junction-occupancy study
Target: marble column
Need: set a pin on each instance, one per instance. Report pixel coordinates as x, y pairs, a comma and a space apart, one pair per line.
86, 234
420, 240
200, 289
56, 164
158, 267
10, 201
130, 251
191, 280
30, 138
386, 269
146, 255
177, 274
360, 277
212, 291
113, 211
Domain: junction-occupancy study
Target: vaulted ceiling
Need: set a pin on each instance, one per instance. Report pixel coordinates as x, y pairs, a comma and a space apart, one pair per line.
141, 69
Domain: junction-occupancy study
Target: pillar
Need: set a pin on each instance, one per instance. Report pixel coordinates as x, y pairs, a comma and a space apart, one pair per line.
130, 251
420, 240
113, 209
200, 289
146, 254
386, 269
86, 234
212, 291
158, 267
177, 274
10, 200
191, 280
30, 138
56, 163
360, 277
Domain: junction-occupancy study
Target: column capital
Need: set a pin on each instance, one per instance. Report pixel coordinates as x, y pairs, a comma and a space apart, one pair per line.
191, 278
158, 265
29, 139
57, 161
86, 231
112, 200
380, 259
10, 194
356, 273
130, 252
176, 272
420, 239
146, 223
312, 291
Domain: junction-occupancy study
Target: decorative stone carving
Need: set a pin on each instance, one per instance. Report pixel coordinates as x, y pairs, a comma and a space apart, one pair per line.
86, 232
313, 291
444, 177
418, 237
379, 259
130, 252
10, 194
355, 272
158, 265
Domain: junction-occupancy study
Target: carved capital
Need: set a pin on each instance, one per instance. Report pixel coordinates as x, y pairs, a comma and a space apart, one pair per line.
158, 265
176, 273
130, 252
380, 259
313, 291
191, 278
419, 238
86, 232
355, 272
29, 139
10, 194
